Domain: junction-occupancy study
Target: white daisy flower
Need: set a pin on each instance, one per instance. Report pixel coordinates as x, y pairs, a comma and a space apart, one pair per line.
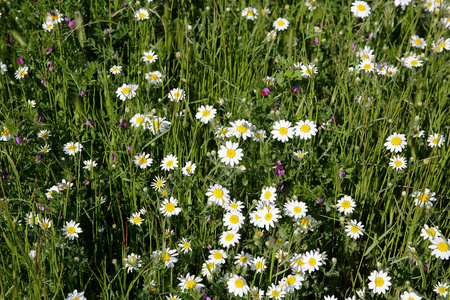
189, 168
136, 219
205, 113
217, 194
217, 256
424, 198
71, 148
436, 139
418, 42
21, 72
143, 160
170, 162
71, 230
355, 229
154, 77
169, 207
258, 264
280, 24
250, 13
346, 205
176, 95
429, 233
150, 56
295, 209
282, 131
360, 9
126, 91
89, 164
305, 129
230, 154
185, 245
141, 14
395, 142
440, 248
379, 282
398, 162
229, 238
237, 286
115, 70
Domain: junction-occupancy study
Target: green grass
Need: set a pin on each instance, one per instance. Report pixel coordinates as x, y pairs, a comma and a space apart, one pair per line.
221, 59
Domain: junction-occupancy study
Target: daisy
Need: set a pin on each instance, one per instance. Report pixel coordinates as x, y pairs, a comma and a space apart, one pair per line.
300, 154
250, 13
143, 160
332, 297
158, 183
298, 66
217, 194
311, 4
430, 233
258, 264
217, 256
436, 48
363, 100
229, 238
308, 70
295, 209
256, 293
138, 120
398, 163
54, 16
276, 292
360, 9
269, 216
176, 95
436, 139
126, 91
402, 3
205, 113
417, 133
365, 53
170, 258
71, 230
47, 26
136, 219
89, 164
280, 24
241, 128
159, 125
3, 68
243, 259
169, 207
190, 282
367, 65
388, 71
418, 42
223, 132
150, 56
230, 154
234, 206
410, 296
238, 286
269, 80
346, 205
132, 262
354, 229
31, 103
71, 148
21, 72
440, 248
75, 295
185, 245
154, 77
412, 62
209, 268
6, 135
32, 219
293, 283
441, 288
282, 131
259, 135
379, 282
64, 185
444, 43
269, 194
115, 70
170, 162
44, 149
312, 261
233, 220
305, 129
424, 198
189, 168
395, 142
44, 134
141, 14
265, 11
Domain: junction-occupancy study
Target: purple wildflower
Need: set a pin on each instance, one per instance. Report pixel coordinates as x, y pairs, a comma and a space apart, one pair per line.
208, 218
18, 140
122, 123
295, 89
20, 60
341, 174
40, 119
83, 93
265, 92
319, 201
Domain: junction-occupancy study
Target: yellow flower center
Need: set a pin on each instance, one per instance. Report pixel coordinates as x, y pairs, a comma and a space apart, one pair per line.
231, 153
5, 132
140, 120
191, 284
115, 69
169, 207
45, 225
442, 290
156, 124
22, 73
142, 15
189, 168
218, 193
187, 245
297, 209
418, 42
280, 23
229, 237
249, 13
126, 91
398, 163
137, 220
267, 195
442, 247
224, 131
142, 160
304, 221
234, 219
166, 256
241, 129
305, 128
218, 255
268, 217
290, 280
159, 183
149, 57
239, 283
71, 230
379, 282
346, 204
243, 259
259, 265
365, 56
176, 94
414, 62
72, 148
390, 72
396, 141
367, 67
275, 293
435, 141
424, 197
283, 130
354, 229
205, 113
49, 26
361, 7
234, 206
312, 262
431, 232
169, 163
53, 17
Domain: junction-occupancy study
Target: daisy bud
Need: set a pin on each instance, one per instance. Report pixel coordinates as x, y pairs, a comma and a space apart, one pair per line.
207, 8
342, 219
334, 260
296, 232
286, 7
213, 152
159, 99
76, 258
341, 32
268, 244
127, 109
407, 282
227, 9
138, 3
379, 265
416, 118
295, 197
208, 154
358, 79
145, 189
404, 193
389, 184
189, 27
419, 103
62, 158
114, 261
152, 144
17, 18
428, 207
277, 113
243, 99
114, 226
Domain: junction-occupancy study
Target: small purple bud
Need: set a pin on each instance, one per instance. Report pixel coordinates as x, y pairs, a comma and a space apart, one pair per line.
425, 269
208, 218
29, 140
4, 175
50, 49
316, 40
40, 119
41, 208
295, 89
209, 247
20, 60
319, 201
18, 140
281, 187
352, 47
341, 174
122, 123
265, 92
43, 82
129, 149
83, 93
10, 41
51, 69
49, 63
90, 123
114, 157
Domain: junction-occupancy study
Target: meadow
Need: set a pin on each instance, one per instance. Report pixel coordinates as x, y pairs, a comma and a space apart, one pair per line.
224, 149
